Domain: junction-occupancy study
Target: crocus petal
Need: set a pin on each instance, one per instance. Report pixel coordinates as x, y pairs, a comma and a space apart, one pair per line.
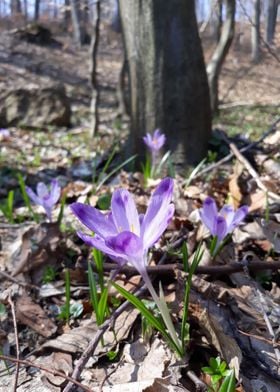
157, 209
228, 213
238, 217
124, 212
42, 190
160, 223
148, 140
94, 219
99, 243
32, 195
219, 228
208, 213
55, 191
130, 246
126, 243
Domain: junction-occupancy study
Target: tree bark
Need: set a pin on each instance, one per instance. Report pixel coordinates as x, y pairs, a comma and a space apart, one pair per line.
167, 78
218, 19
15, 7
93, 69
256, 31
271, 18
37, 10
67, 14
78, 27
215, 65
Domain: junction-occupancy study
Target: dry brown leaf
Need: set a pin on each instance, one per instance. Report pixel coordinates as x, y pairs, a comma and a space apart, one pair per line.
234, 188
77, 339
258, 200
271, 230
39, 245
57, 361
31, 314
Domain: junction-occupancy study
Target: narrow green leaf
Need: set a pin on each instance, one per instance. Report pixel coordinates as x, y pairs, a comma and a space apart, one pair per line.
61, 211
93, 292
185, 255
114, 171
26, 198
154, 321
102, 305
229, 383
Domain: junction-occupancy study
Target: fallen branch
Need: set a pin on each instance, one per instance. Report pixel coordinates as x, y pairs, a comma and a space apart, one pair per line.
227, 158
249, 168
167, 269
16, 341
53, 372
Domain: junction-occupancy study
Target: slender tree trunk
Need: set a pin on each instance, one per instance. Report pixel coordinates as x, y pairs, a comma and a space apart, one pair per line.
78, 27
256, 31
16, 7
37, 10
168, 83
93, 68
67, 14
271, 18
218, 19
215, 65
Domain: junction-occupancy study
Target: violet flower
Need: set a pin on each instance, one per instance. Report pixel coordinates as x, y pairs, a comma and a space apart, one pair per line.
5, 134
221, 223
125, 236
154, 143
45, 197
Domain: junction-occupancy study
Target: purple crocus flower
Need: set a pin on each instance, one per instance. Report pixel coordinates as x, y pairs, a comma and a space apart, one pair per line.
221, 223
123, 234
45, 197
155, 141
4, 134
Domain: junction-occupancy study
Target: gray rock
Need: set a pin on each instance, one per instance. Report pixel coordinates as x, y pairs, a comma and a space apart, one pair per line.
37, 107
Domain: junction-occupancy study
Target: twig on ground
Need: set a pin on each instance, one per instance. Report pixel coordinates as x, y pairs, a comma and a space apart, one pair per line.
19, 282
199, 385
53, 372
249, 168
94, 342
262, 303
167, 269
106, 325
227, 158
16, 340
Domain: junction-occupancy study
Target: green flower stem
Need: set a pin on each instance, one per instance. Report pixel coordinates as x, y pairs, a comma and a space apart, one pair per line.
165, 314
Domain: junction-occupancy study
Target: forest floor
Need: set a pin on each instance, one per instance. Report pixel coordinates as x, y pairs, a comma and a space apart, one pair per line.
234, 308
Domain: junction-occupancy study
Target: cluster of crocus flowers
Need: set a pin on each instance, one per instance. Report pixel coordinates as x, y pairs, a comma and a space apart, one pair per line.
154, 142
126, 236
45, 197
223, 222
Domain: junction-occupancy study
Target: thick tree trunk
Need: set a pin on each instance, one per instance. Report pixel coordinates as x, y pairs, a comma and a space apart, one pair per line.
168, 83
93, 69
215, 65
256, 31
271, 18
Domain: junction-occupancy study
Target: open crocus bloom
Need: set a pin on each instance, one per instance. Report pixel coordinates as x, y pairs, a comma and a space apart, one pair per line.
155, 141
45, 197
221, 223
123, 234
